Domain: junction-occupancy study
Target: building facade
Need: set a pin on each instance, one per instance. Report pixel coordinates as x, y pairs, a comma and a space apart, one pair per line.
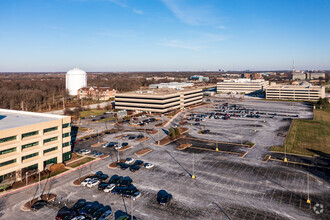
171, 85
298, 76
200, 78
295, 92
31, 141
316, 75
96, 93
158, 100
245, 86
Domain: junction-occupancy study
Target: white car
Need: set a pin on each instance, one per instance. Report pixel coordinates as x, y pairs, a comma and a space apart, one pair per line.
118, 147
85, 181
79, 217
148, 165
93, 116
136, 195
93, 182
129, 160
109, 188
107, 215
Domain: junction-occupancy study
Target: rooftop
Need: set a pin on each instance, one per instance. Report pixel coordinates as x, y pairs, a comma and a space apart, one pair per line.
13, 119
159, 92
294, 86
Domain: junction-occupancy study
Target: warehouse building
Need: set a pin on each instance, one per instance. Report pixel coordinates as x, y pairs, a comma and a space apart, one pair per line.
31, 141
158, 100
295, 92
245, 86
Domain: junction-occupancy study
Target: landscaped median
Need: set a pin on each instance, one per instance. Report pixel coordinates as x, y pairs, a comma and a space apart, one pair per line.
80, 162
47, 197
183, 146
143, 152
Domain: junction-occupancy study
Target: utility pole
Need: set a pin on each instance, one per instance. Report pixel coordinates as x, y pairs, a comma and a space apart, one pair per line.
39, 183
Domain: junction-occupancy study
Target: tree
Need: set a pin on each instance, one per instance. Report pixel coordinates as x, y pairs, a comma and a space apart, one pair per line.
171, 133
177, 131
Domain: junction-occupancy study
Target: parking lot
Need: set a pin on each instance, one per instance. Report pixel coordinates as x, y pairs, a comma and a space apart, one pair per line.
241, 188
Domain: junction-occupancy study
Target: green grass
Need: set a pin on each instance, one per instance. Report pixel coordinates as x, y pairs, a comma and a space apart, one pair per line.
249, 144
4, 187
88, 113
83, 161
309, 137
107, 119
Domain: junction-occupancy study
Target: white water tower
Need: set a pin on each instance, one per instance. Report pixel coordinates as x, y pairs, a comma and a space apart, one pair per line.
75, 79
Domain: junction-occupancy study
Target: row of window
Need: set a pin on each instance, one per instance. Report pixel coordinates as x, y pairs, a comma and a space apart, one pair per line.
8, 151
30, 156
66, 135
11, 138
50, 149
50, 139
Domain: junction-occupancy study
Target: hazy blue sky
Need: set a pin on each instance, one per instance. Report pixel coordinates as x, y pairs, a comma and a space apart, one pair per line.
146, 35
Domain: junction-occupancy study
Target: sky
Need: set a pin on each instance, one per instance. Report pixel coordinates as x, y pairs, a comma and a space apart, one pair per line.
164, 35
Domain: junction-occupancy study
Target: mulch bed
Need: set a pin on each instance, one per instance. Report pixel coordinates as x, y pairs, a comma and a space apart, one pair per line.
142, 139
125, 148
183, 146
113, 165
153, 132
77, 182
98, 144
267, 157
166, 140
161, 124
118, 137
242, 154
47, 197
143, 152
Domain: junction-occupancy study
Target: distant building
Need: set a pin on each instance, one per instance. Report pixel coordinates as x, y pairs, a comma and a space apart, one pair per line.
200, 78
96, 93
246, 75
298, 76
160, 78
257, 76
32, 141
242, 85
171, 85
316, 75
295, 92
74, 80
158, 100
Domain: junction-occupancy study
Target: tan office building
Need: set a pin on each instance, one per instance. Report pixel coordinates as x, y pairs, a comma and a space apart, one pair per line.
158, 100
242, 85
31, 141
295, 92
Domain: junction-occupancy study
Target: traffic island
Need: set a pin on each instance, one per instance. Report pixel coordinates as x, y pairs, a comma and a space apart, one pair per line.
183, 146
113, 165
98, 144
267, 157
125, 148
242, 154
143, 152
250, 145
142, 139
47, 197
118, 137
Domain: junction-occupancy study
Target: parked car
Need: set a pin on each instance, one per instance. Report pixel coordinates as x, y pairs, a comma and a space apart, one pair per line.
164, 198
148, 165
86, 207
38, 205
124, 166
107, 215
102, 186
62, 213
136, 195
134, 168
85, 181
79, 205
138, 162
124, 144
131, 137
99, 212
126, 181
93, 209
93, 182
79, 217
113, 179
110, 187
129, 160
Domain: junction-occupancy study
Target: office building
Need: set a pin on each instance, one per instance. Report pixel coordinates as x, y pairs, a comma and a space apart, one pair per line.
171, 85
158, 100
316, 75
298, 76
200, 78
238, 86
31, 141
295, 92
96, 93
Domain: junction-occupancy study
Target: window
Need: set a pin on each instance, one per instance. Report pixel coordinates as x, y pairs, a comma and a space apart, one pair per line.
30, 156
66, 135
7, 162
53, 160
50, 139
30, 134
30, 145
32, 167
50, 149
11, 138
66, 144
66, 156
50, 129
8, 151
66, 125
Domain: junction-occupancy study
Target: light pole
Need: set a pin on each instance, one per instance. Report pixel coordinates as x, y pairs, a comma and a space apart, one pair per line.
308, 200
285, 159
39, 182
193, 175
26, 178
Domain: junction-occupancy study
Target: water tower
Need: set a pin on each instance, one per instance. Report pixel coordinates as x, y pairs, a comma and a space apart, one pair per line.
75, 79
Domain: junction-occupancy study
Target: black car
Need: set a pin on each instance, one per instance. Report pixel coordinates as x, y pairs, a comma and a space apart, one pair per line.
120, 180
38, 205
118, 190
124, 144
86, 207
124, 166
164, 198
119, 164
93, 209
138, 163
126, 181
114, 179
99, 212
134, 168
140, 136
62, 213
131, 138
79, 205
102, 186
129, 190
